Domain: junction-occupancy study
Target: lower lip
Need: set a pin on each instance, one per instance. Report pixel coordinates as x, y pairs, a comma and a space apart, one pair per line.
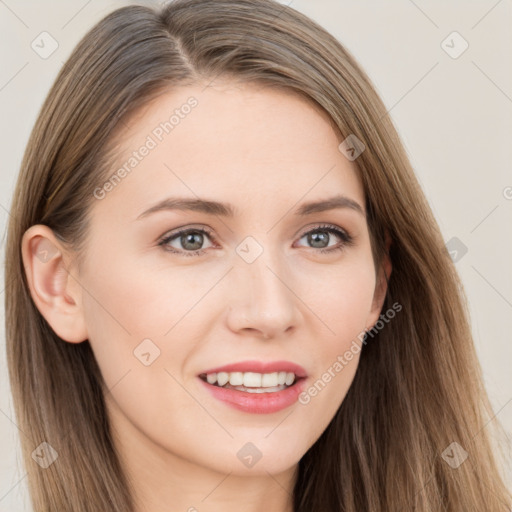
257, 403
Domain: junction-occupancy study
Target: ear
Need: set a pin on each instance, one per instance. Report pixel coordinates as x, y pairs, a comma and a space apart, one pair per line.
56, 294
381, 286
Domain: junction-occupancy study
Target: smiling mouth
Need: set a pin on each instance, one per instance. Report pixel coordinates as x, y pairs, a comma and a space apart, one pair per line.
252, 382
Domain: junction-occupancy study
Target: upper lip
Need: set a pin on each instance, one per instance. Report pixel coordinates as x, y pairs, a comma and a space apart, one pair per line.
260, 367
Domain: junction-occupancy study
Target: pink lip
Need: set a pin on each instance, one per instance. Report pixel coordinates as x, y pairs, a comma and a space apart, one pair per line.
261, 367
258, 403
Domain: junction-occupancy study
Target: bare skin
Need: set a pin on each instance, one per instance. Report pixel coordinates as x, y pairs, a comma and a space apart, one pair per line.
266, 153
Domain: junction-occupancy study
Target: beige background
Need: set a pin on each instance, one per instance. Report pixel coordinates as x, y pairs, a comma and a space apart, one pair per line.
454, 116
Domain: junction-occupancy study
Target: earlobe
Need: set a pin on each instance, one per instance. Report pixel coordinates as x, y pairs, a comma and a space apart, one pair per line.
56, 294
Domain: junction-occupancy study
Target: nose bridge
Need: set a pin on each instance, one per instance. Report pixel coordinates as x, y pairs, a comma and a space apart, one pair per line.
264, 299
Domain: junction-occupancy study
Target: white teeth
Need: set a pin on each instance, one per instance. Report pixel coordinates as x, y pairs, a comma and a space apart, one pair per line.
290, 377
236, 378
252, 379
269, 380
222, 378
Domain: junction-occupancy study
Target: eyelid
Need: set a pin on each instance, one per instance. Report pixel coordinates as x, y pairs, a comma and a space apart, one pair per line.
322, 225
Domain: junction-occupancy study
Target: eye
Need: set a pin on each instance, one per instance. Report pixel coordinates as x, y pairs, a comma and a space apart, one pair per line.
320, 236
190, 239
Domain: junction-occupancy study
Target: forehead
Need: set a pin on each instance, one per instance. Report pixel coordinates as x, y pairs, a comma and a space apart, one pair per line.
231, 141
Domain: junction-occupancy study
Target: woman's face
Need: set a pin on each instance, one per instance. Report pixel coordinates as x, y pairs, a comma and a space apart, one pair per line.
255, 282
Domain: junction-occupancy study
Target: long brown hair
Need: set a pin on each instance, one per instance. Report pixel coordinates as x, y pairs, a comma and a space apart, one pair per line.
418, 387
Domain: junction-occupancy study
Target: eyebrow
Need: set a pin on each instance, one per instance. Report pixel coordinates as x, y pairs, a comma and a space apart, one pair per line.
228, 210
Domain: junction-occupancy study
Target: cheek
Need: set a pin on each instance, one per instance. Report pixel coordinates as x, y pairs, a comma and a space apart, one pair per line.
122, 307
344, 306
132, 300
343, 300
133, 310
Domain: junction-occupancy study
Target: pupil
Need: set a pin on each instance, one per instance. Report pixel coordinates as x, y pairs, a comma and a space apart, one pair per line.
190, 237
319, 236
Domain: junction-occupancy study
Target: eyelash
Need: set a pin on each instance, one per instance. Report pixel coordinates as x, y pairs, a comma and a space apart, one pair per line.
347, 239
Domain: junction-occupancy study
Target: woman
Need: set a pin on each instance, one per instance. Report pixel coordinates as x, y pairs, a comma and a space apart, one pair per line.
309, 351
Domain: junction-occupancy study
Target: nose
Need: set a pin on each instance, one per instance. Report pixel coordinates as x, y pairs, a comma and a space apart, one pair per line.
264, 302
